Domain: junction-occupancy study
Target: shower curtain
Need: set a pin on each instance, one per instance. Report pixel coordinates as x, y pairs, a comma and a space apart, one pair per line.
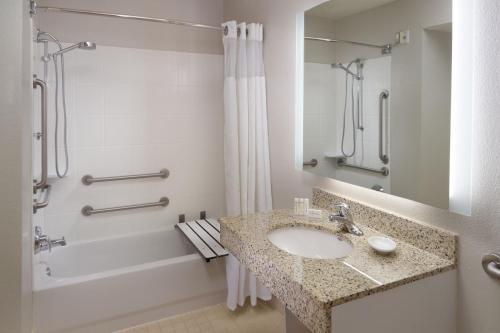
246, 149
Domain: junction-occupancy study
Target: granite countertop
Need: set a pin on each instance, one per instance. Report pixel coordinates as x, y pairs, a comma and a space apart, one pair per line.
311, 287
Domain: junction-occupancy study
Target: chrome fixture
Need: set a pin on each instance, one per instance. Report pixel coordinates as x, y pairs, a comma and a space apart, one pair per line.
341, 162
89, 210
45, 202
44, 243
356, 103
43, 132
378, 188
347, 70
80, 45
385, 49
312, 163
124, 16
89, 180
343, 216
45, 38
491, 265
384, 96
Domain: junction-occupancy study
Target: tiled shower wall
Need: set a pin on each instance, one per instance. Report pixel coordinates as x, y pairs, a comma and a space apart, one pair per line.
137, 111
324, 98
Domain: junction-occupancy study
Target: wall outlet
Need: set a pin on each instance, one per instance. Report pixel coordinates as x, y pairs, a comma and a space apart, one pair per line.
403, 37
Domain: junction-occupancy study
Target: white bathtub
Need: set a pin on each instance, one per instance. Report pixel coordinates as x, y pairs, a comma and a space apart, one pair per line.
122, 281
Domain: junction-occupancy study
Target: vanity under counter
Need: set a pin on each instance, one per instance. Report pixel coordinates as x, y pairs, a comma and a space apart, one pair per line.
312, 289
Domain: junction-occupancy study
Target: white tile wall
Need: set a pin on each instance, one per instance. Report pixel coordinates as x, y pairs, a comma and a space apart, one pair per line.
137, 111
377, 77
324, 98
319, 116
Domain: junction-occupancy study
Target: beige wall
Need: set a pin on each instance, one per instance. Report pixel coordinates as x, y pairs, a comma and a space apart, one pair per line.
479, 296
15, 170
137, 34
314, 51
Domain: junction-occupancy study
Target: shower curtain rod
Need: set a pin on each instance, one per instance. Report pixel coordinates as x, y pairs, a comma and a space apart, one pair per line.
126, 16
386, 49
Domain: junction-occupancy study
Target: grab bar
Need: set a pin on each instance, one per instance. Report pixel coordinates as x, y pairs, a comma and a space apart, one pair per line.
43, 132
491, 265
89, 210
88, 179
39, 205
384, 95
312, 163
341, 162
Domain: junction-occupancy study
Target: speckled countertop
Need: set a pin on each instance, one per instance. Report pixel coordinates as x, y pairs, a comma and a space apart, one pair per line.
311, 287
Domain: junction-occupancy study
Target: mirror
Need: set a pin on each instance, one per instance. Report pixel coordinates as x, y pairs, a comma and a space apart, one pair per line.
377, 95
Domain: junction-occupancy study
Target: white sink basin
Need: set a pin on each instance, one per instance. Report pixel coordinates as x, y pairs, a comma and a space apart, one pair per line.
310, 243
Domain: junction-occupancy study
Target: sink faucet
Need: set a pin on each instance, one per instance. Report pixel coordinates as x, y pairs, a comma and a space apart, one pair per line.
343, 216
44, 243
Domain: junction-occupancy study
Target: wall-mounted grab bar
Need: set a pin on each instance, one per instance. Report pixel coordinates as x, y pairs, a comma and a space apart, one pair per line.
384, 95
341, 162
88, 179
89, 210
43, 132
312, 163
42, 204
491, 265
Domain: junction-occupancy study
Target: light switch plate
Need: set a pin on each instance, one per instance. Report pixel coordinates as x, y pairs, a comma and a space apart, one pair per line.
403, 37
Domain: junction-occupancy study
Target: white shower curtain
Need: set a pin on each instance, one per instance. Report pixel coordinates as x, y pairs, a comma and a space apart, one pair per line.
246, 148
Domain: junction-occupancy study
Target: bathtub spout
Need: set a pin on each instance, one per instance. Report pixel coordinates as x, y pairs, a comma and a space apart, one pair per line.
57, 242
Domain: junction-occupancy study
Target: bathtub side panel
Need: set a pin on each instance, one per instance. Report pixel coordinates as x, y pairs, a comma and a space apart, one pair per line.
89, 302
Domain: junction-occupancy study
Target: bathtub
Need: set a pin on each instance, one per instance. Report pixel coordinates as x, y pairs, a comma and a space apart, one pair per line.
108, 284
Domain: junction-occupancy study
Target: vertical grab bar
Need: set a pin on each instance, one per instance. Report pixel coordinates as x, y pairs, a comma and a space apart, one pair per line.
384, 95
43, 94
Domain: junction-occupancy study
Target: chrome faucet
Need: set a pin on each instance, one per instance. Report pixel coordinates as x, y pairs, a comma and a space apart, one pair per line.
343, 216
44, 243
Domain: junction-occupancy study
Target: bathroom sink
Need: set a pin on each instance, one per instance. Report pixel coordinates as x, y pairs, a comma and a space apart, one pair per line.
310, 243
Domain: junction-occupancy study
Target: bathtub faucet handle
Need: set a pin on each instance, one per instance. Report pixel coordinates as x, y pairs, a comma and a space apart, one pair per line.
44, 243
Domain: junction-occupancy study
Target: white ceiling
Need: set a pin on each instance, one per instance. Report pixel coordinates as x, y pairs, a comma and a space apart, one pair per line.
336, 9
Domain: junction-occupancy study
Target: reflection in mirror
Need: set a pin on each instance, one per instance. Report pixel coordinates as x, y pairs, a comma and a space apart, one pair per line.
377, 92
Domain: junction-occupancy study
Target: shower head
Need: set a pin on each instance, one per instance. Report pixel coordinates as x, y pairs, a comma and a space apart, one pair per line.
80, 45
346, 69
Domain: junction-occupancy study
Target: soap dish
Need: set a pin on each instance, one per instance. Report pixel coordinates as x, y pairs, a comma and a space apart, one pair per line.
382, 244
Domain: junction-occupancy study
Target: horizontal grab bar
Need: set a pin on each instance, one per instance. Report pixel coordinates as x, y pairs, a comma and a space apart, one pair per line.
313, 163
39, 205
89, 210
88, 179
383, 171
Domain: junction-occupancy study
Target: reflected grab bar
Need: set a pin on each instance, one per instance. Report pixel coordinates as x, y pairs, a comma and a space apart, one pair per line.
312, 163
43, 132
341, 162
384, 95
88, 179
89, 210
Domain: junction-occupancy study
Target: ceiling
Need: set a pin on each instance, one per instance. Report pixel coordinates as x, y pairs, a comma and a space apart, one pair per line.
337, 9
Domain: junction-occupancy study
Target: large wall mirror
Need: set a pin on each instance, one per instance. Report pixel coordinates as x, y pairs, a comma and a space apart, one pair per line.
377, 95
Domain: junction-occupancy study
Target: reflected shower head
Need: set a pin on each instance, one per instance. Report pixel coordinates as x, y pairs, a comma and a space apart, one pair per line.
87, 45
81, 45
346, 69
